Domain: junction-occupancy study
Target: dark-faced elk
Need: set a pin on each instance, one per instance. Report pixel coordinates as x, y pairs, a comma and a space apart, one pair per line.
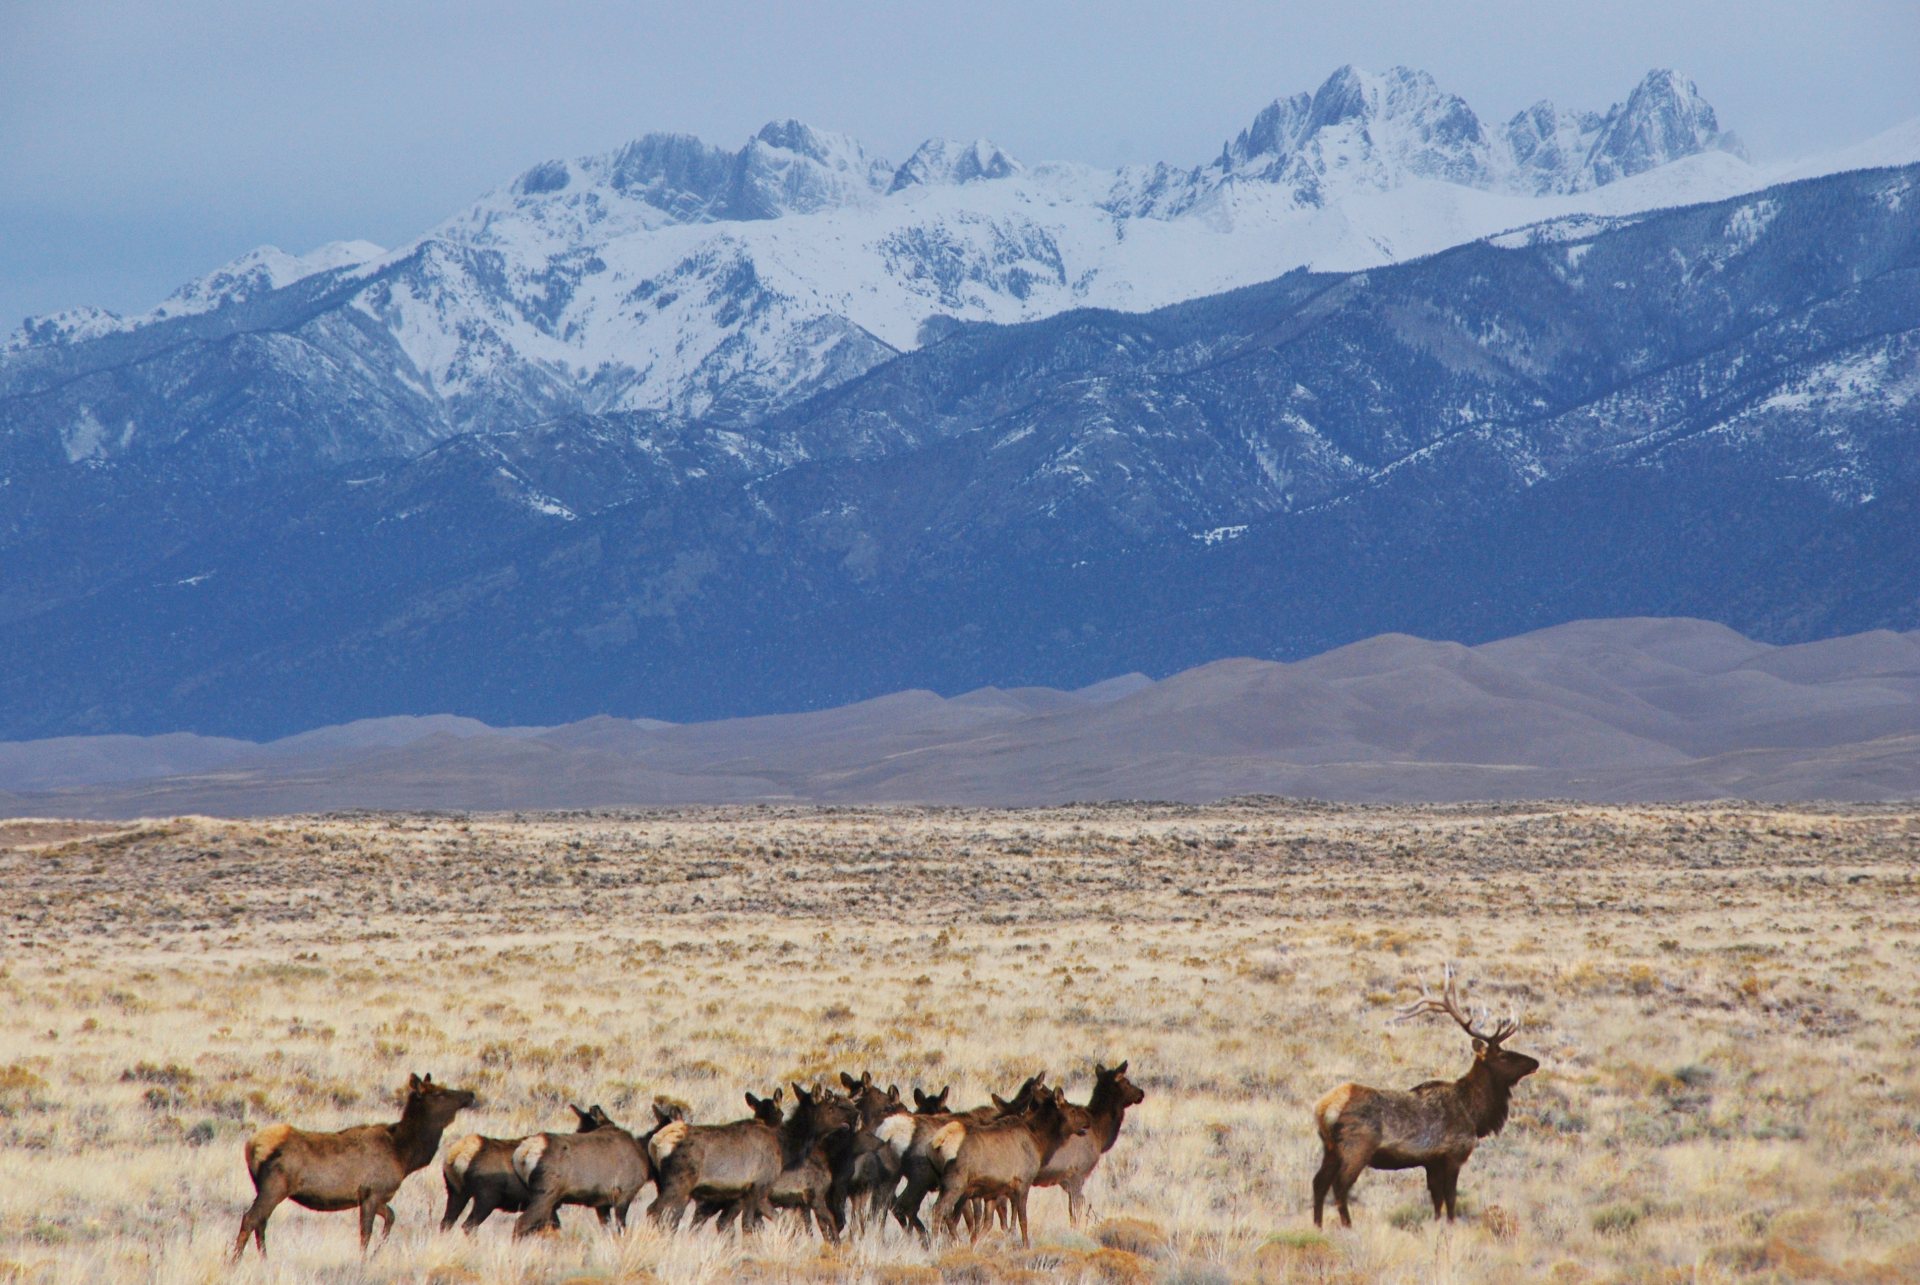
480, 1170
603, 1170
828, 1122
358, 1168
730, 1168
911, 1136
996, 1159
869, 1170
1434, 1125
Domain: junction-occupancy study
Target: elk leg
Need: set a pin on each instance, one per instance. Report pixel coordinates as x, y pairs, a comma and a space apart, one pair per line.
456, 1203
670, 1201
1452, 1179
824, 1219
907, 1208
1076, 1200
605, 1215
483, 1207
538, 1214
386, 1219
620, 1211
273, 1190
946, 1210
1020, 1211
369, 1206
1352, 1165
1323, 1182
1437, 1185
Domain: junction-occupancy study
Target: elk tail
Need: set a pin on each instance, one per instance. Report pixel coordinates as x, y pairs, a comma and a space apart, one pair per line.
666, 1141
527, 1157
945, 1144
461, 1155
896, 1133
263, 1146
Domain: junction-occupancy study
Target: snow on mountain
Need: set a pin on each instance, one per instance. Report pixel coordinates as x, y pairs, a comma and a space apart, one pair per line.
678, 277
941, 160
253, 275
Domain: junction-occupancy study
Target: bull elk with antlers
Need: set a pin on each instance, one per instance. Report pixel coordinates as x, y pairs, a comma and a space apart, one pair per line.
1434, 1125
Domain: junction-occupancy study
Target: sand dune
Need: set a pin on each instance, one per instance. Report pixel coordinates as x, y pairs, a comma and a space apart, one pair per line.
1633, 709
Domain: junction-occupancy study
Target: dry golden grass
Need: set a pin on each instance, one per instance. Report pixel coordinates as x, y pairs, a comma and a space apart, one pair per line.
1725, 1001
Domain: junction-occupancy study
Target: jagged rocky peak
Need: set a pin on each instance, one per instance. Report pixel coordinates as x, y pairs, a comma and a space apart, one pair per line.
792, 168
1399, 121
1549, 144
944, 160
1663, 120
787, 167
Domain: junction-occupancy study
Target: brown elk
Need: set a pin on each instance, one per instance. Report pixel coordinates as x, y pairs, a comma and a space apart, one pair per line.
869, 1169
729, 1168
358, 1168
603, 1170
1071, 1166
986, 1161
1434, 1125
807, 1183
480, 1170
911, 1136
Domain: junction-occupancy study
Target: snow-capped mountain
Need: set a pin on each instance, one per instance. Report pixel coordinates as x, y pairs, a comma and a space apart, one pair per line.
674, 277
1710, 410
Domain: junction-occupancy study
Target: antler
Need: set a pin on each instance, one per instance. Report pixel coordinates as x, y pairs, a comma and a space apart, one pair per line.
1448, 1002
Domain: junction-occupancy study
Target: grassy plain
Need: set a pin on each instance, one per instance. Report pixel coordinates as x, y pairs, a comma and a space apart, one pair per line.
1727, 1002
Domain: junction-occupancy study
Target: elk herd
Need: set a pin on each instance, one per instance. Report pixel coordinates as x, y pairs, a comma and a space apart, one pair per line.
847, 1159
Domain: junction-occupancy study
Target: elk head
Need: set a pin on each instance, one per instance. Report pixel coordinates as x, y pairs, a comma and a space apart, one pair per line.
1506, 1066
437, 1103
931, 1103
1114, 1079
597, 1118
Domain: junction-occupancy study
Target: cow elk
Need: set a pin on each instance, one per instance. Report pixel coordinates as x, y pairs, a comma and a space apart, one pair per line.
912, 1136
480, 1170
728, 1168
603, 1170
1434, 1125
1000, 1158
1071, 1166
869, 1169
358, 1168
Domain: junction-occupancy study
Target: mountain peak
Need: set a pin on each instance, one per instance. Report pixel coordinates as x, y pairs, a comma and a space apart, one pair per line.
945, 161
1664, 119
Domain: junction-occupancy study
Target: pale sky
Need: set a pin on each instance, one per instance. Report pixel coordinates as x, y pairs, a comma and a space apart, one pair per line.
143, 144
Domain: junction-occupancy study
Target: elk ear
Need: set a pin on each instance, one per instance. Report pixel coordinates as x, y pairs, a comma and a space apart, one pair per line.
866, 1079
849, 1081
799, 1094
584, 1116
1000, 1102
1121, 1069
776, 1094
1099, 1071
1479, 1048
753, 1103
893, 1092
413, 1083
